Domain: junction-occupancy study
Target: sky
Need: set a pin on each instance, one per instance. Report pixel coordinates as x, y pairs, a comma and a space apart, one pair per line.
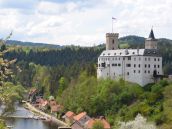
83, 22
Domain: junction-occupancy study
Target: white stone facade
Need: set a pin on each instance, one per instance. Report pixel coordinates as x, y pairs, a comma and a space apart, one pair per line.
133, 65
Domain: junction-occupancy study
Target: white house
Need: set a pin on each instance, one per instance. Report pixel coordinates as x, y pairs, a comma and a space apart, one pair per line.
140, 66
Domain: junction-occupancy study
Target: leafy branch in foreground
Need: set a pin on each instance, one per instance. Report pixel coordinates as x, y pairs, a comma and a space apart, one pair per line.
9, 92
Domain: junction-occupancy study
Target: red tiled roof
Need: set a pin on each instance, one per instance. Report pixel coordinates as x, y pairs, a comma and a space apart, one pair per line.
91, 122
69, 114
79, 116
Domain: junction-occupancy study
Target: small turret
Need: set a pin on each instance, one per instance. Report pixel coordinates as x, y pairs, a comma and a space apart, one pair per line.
151, 42
112, 41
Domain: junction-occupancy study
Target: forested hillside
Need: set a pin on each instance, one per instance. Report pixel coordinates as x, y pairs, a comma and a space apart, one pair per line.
31, 44
69, 73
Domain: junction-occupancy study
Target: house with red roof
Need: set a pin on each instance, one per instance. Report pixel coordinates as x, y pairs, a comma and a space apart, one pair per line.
82, 118
83, 121
68, 117
41, 104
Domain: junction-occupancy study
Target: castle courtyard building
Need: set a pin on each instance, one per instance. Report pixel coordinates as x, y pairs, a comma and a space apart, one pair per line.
139, 66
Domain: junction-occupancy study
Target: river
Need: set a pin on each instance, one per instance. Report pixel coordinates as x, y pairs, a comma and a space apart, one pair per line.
18, 123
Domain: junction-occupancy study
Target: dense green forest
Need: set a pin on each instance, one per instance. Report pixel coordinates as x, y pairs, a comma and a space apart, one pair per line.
119, 100
69, 73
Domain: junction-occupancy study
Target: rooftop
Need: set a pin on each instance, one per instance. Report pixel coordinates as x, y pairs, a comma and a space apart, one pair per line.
130, 52
79, 116
69, 114
151, 35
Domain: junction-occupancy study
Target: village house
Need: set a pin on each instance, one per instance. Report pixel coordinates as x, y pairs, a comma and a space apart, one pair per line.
56, 108
82, 118
83, 121
41, 104
68, 117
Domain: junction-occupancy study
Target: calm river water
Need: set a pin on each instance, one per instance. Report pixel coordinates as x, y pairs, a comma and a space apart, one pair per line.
18, 123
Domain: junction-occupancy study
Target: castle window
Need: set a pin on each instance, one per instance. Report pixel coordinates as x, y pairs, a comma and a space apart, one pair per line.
119, 64
154, 66
120, 53
158, 66
133, 53
134, 71
154, 59
134, 65
113, 48
149, 65
139, 58
119, 58
148, 71
129, 58
145, 59
108, 53
128, 65
113, 41
139, 65
134, 59
145, 71
145, 65
114, 53
128, 73
112, 58
103, 64
103, 53
139, 71
123, 58
158, 59
148, 59
115, 58
114, 64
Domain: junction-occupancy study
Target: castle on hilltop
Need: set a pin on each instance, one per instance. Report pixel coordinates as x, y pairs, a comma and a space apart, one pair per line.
142, 66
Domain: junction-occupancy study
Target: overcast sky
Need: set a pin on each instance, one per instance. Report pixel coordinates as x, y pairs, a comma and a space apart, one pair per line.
83, 22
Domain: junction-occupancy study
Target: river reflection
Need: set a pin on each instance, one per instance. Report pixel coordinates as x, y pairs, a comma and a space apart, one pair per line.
17, 123
29, 124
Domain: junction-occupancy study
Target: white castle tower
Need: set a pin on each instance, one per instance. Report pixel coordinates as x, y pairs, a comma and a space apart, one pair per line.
112, 41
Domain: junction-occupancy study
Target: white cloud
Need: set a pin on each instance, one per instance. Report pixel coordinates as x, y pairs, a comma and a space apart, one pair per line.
83, 22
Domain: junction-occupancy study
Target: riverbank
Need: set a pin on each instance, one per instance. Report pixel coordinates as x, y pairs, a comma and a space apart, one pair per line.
47, 116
